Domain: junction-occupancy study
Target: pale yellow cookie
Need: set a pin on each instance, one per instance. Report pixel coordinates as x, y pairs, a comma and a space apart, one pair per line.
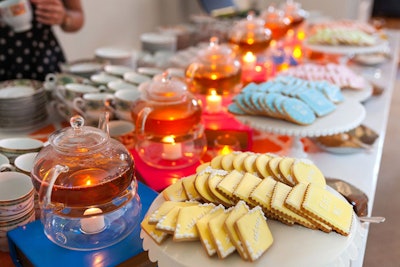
293, 202
213, 180
165, 207
157, 235
188, 186
279, 195
262, 165
229, 183
223, 243
273, 168
285, 169
204, 232
202, 166
254, 233
329, 208
216, 162
227, 161
246, 186
175, 192
238, 161
168, 222
305, 171
262, 194
238, 211
185, 229
201, 185
249, 163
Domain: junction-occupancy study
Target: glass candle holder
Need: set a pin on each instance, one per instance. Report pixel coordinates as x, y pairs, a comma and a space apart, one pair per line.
225, 144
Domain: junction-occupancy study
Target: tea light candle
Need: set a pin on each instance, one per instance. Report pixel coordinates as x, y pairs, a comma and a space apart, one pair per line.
93, 224
225, 144
214, 102
171, 150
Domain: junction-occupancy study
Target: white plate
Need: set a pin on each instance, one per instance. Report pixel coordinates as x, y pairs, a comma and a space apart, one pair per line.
380, 46
347, 116
360, 95
293, 246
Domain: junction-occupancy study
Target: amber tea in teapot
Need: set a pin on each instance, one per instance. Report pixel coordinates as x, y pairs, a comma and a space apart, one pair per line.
215, 69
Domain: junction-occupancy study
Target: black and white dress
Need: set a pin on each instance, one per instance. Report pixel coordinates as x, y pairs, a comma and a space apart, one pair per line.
29, 55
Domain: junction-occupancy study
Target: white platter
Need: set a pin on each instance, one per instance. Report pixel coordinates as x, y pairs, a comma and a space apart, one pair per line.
293, 246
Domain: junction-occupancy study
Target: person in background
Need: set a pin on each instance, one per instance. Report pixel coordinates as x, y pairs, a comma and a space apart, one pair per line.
35, 53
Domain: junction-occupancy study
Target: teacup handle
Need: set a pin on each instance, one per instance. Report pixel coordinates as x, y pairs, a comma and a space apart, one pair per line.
7, 167
78, 104
50, 81
109, 103
141, 120
62, 110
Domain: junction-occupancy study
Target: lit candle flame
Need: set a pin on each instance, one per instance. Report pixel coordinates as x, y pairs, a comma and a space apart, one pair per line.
249, 57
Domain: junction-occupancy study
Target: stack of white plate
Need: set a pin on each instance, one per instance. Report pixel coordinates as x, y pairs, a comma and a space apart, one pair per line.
22, 105
16, 203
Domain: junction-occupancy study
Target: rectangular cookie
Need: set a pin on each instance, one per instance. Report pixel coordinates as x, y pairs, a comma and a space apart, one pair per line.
329, 208
254, 233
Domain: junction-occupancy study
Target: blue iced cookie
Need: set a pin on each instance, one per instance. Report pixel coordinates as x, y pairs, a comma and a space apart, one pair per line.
249, 88
235, 109
297, 111
331, 91
317, 102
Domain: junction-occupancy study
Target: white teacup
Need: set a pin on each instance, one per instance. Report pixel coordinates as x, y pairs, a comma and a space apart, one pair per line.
25, 162
17, 14
123, 131
91, 106
5, 164
120, 85
103, 78
121, 103
15, 146
73, 90
136, 78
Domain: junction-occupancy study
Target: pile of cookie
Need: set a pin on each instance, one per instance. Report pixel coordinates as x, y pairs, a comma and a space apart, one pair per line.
337, 74
289, 98
343, 32
230, 198
341, 36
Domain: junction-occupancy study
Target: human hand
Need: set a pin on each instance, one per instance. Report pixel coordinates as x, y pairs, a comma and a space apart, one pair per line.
50, 12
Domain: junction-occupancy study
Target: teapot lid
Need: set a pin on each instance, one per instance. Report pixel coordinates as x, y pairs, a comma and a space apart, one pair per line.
251, 28
78, 138
164, 87
215, 52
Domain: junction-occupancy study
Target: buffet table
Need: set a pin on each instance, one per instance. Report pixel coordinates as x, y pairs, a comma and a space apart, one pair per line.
359, 169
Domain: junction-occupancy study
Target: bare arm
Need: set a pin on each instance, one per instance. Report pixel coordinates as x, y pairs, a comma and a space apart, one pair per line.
68, 13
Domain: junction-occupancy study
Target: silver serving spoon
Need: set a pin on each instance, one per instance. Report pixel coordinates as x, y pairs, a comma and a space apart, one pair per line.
373, 219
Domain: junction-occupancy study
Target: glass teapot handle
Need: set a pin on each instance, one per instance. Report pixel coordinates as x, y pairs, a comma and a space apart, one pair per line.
141, 120
49, 181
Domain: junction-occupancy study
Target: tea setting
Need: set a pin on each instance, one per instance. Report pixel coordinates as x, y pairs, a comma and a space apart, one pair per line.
206, 117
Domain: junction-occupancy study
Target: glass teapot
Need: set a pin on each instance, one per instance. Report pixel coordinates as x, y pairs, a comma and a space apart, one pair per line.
169, 130
250, 35
87, 187
215, 69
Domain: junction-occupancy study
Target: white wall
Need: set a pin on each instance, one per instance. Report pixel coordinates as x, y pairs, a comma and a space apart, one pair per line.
120, 23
